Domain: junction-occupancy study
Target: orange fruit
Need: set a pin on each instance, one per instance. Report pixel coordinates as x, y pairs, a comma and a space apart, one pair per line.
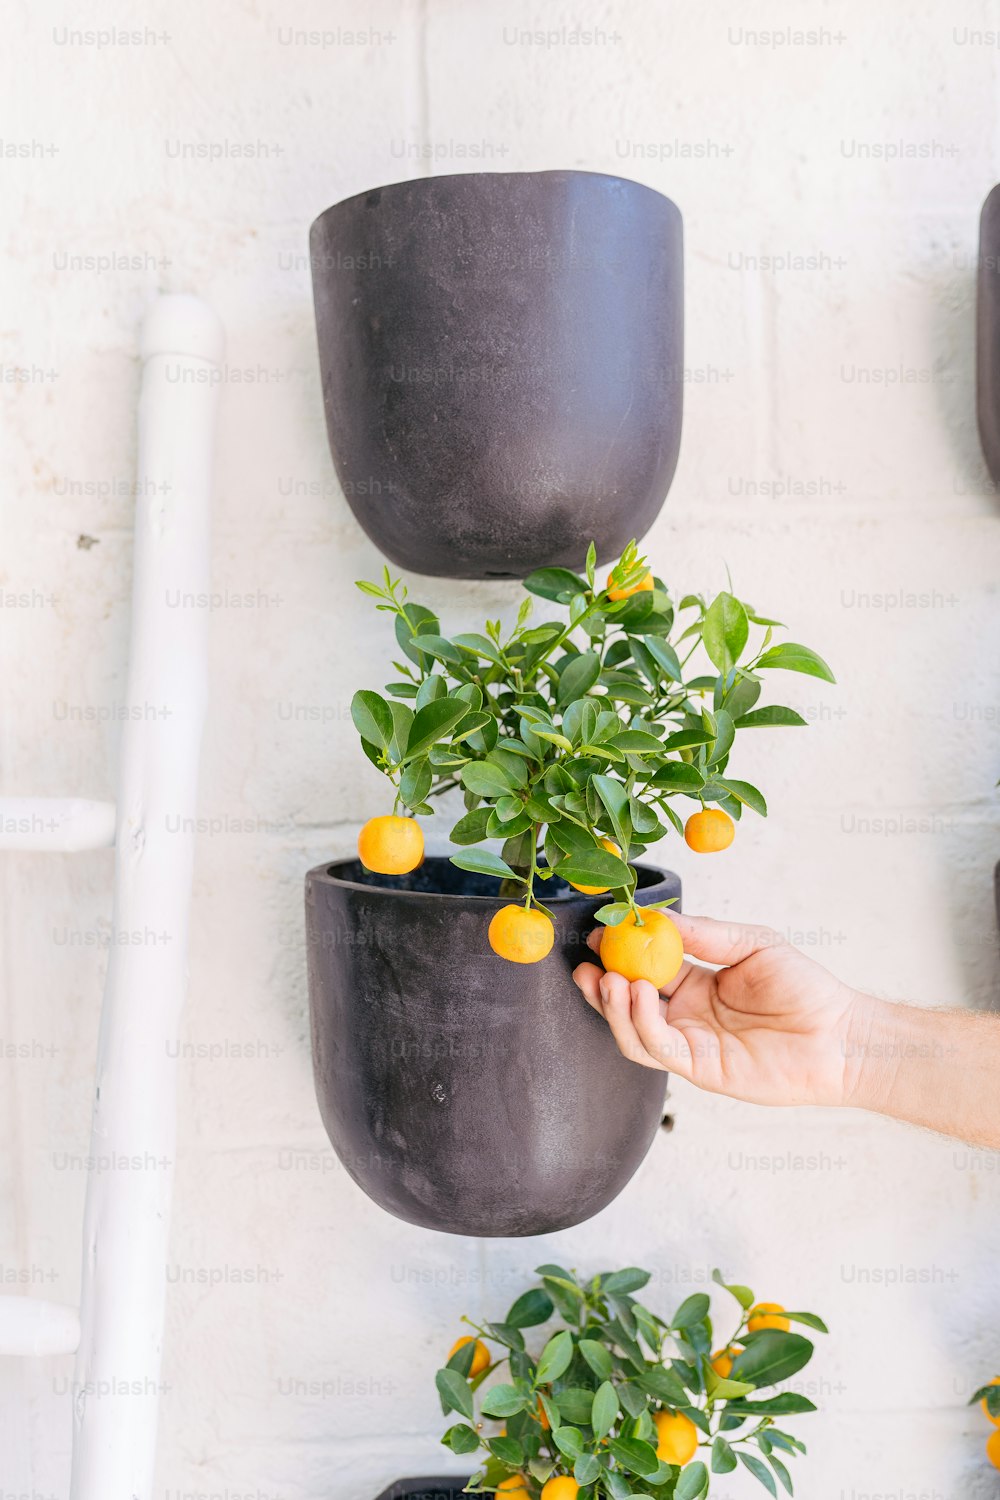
645, 582
514, 1485
767, 1315
560, 1487
480, 1355
677, 1437
598, 890
722, 1362
986, 1410
521, 934
391, 845
993, 1448
709, 831
653, 951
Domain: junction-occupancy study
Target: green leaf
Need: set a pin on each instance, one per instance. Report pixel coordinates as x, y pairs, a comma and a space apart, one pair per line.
486, 779
692, 1310
372, 718
664, 655
725, 632
555, 1358
432, 687
784, 1404
615, 799
809, 1319
678, 776
434, 722
723, 1457
769, 717
795, 658
591, 564
472, 828
782, 1473
771, 1356
743, 1294
586, 1469
758, 1470
635, 1455
480, 646
407, 630
415, 783
507, 1449
598, 868
503, 1401
574, 1404
605, 1409
600, 1360
693, 1482
743, 792
440, 648
555, 583
688, 739
455, 1393
637, 742
662, 1383
530, 1309
569, 1441
578, 676
461, 1439
631, 1279
723, 1389
483, 862
725, 733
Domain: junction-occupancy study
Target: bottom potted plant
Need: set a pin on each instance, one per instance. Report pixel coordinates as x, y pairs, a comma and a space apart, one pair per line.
620, 1403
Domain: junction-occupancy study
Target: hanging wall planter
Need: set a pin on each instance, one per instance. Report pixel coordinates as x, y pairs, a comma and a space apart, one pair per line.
988, 333
502, 363
461, 1092
439, 1487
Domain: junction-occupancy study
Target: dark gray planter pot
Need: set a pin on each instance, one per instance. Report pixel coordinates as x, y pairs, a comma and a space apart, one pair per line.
462, 1092
988, 333
502, 361
435, 1488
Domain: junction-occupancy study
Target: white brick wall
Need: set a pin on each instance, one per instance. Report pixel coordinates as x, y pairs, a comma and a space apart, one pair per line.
762, 149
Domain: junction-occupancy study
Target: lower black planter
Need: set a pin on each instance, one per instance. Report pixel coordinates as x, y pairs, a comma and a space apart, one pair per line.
988, 333
502, 362
462, 1092
443, 1488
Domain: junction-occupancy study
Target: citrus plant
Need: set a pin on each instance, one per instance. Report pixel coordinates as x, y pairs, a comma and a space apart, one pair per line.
572, 740
988, 1397
619, 1403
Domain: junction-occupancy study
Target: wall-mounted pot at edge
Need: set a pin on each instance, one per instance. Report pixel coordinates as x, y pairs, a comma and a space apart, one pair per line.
502, 362
462, 1092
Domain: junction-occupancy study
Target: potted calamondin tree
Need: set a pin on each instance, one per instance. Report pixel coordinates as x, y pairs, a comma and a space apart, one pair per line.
616, 1402
450, 1073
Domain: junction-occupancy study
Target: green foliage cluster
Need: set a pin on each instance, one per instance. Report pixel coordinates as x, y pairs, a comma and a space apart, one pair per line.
588, 727
601, 1377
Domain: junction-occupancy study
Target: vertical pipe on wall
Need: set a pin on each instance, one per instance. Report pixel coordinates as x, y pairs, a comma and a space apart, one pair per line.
117, 1381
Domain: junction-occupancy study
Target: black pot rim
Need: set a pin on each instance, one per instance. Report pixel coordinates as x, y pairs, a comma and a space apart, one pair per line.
323, 874
424, 182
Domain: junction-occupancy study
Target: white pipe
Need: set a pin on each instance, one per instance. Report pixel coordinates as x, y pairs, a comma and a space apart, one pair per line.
126, 1221
29, 1326
62, 824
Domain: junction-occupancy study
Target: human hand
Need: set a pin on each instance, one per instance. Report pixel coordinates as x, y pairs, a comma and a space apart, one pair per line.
770, 1027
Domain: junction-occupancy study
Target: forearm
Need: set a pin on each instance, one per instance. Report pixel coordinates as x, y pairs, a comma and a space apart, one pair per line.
936, 1068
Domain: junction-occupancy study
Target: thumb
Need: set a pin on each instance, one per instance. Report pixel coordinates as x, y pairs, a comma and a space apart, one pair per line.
722, 942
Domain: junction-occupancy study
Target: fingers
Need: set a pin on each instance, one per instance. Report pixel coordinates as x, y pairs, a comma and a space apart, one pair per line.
635, 1015
588, 978
722, 942
616, 993
667, 1046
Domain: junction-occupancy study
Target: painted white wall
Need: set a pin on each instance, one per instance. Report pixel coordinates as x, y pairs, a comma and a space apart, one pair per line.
829, 457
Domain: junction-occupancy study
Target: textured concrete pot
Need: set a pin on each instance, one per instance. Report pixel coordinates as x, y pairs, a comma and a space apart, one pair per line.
442, 1487
502, 361
988, 333
461, 1092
